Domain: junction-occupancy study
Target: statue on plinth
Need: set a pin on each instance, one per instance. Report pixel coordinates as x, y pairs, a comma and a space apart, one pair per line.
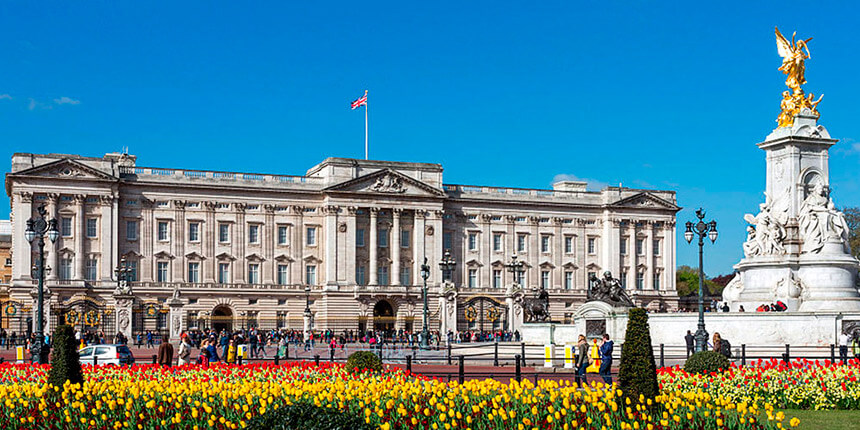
537, 308
794, 67
608, 290
820, 221
766, 232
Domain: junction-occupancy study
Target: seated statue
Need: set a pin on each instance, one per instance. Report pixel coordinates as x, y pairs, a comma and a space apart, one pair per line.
608, 290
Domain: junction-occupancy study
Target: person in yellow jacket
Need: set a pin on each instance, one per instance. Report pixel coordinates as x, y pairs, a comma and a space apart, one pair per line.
231, 352
594, 359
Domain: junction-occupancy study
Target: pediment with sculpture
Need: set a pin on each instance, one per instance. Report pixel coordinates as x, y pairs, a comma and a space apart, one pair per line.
386, 181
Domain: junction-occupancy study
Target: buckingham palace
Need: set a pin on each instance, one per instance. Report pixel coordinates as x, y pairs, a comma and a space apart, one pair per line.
346, 240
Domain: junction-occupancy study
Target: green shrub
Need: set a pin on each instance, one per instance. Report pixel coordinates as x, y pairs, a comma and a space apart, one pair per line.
307, 417
637, 374
364, 360
65, 362
706, 362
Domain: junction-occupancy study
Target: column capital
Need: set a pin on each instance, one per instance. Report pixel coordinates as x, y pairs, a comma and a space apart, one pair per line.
420, 213
352, 210
106, 200
510, 219
396, 212
437, 214
210, 206
269, 208
533, 220
558, 220
26, 196
53, 198
179, 204
80, 199
330, 209
297, 210
373, 211
486, 218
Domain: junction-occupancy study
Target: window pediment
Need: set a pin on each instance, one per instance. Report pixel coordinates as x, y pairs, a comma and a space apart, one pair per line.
255, 258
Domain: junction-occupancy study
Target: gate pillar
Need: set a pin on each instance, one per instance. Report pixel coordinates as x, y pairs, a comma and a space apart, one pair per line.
123, 307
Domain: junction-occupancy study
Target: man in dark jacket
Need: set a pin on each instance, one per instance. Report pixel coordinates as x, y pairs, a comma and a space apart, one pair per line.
606, 359
165, 354
689, 338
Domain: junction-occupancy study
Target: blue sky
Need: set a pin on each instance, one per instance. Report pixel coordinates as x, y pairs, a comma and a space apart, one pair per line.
665, 95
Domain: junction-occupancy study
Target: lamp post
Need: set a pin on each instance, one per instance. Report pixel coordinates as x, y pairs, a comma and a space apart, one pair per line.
425, 330
516, 269
308, 313
701, 229
37, 229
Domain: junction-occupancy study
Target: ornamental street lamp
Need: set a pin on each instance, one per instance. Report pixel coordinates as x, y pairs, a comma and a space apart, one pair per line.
425, 330
37, 229
702, 229
447, 265
516, 269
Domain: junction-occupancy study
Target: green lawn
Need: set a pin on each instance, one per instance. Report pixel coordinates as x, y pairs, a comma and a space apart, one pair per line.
824, 420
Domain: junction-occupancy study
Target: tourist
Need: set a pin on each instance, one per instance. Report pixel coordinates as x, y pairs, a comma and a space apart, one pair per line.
741, 308
583, 359
605, 352
203, 357
231, 352
165, 354
855, 346
722, 346
843, 346
184, 349
690, 346
213, 351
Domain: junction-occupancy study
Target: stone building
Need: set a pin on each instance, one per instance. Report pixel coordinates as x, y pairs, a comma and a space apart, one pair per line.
227, 249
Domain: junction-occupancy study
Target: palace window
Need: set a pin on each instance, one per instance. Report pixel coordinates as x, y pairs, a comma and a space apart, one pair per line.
382, 277
544, 243
624, 279
92, 269
640, 280
405, 276
473, 278
497, 278
405, 236
657, 281
656, 246
640, 246
162, 273
447, 240
131, 230
92, 228
253, 233
568, 280
282, 235
473, 241
193, 272
592, 245
311, 275
311, 236
194, 232
253, 273
568, 244
383, 238
66, 226
282, 274
521, 243
223, 233
163, 231
544, 279
497, 242
359, 237
360, 275
223, 273
65, 269
623, 246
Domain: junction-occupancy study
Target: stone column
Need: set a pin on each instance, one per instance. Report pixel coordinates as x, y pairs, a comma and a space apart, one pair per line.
268, 266
668, 256
147, 236
348, 263
395, 246
418, 249
371, 246
533, 252
176, 321
515, 314
296, 245
107, 239
178, 240
22, 211
123, 307
557, 250
51, 251
486, 249
210, 236
80, 235
649, 255
436, 246
240, 265
330, 237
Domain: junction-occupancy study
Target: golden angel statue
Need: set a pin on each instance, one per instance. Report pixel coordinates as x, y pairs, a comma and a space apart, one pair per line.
794, 54
793, 59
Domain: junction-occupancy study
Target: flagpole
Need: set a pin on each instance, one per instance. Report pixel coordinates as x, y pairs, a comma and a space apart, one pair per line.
365, 124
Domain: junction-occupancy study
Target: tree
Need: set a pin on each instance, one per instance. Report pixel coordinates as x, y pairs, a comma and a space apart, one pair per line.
852, 217
637, 374
65, 361
687, 282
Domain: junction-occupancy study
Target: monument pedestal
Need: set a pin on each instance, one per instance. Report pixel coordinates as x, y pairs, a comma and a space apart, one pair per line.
176, 321
123, 306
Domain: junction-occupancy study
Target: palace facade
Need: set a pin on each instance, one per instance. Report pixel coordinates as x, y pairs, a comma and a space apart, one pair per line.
347, 240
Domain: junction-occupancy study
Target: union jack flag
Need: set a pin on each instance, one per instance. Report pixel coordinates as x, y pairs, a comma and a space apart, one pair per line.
361, 101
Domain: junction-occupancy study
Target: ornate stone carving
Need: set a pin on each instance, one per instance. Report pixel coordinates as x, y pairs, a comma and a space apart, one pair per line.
210, 205
124, 318
789, 287
26, 196
179, 204
388, 183
733, 289
53, 198
352, 210
608, 290
766, 233
820, 222
80, 199
537, 308
175, 326
429, 230
342, 227
106, 200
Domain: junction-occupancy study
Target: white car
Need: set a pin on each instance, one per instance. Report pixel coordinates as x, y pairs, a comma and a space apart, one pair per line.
101, 355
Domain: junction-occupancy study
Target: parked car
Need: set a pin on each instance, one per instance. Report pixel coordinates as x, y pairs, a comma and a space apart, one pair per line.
106, 354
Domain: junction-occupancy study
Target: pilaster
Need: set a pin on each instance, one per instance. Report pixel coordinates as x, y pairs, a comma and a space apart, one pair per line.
330, 262
179, 241
80, 235
418, 246
372, 247
52, 251
395, 246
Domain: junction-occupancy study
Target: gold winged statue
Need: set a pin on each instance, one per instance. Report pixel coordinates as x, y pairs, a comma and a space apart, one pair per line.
794, 54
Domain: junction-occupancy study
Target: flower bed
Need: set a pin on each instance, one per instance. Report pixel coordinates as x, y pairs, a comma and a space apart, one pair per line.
802, 384
229, 397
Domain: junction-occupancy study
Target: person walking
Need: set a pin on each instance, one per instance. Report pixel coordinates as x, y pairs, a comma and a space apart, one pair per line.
184, 350
605, 352
582, 361
165, 354
231, 352
689, 338
843, 346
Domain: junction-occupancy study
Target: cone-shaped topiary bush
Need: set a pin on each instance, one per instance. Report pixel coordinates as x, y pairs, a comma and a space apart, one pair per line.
638, 373
65, 362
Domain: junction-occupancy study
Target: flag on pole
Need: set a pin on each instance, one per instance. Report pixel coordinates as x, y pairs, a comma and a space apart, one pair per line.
361, 101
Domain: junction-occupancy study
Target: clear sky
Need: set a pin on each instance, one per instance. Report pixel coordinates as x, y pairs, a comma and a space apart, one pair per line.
648, 94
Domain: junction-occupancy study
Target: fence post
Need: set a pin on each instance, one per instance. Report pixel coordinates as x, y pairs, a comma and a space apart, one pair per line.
317, 359
461, 373
832, 352
496, 354
409, 363
277, 360
449, 353
518, 374
743, 354
95, 360
786, 357
523, 352
662, 356
331, 355
154, 359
